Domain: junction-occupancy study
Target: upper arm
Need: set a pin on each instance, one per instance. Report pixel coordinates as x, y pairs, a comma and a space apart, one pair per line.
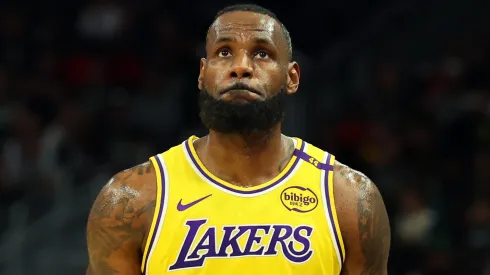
118, 222
363, 221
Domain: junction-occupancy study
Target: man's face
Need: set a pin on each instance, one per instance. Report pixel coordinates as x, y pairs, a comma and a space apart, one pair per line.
246, 74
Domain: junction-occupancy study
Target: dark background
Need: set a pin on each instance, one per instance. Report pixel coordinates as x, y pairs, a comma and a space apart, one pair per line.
396, 89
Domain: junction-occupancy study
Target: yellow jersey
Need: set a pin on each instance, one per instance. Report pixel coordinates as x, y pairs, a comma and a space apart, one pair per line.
204, 225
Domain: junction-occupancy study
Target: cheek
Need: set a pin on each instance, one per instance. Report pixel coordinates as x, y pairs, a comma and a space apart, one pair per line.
264, 72
220, 75
271, 77
209, 80
213, 75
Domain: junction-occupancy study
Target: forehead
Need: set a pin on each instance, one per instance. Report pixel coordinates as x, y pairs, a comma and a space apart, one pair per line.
245, 24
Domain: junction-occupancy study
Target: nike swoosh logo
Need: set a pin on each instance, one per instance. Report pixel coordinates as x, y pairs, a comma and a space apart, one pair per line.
182, 207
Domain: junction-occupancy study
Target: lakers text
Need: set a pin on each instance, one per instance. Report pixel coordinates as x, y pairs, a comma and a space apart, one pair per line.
242, 240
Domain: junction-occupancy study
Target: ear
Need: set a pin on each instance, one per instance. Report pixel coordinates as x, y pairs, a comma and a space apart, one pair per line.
200, 79
293, 78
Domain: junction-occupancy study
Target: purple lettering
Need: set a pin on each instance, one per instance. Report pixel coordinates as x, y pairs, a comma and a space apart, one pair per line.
278, 238
181, 262
253, 238
207, 243
287, 245
304, 254
231, 240
294, 243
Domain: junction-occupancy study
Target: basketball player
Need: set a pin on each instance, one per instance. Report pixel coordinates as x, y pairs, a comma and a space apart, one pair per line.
245, 199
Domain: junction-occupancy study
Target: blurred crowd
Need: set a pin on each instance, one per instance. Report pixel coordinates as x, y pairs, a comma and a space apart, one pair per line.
93, 88
425, 142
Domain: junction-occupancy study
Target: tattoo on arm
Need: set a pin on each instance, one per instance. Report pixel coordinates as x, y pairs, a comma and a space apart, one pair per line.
112, 226
372, 223
374, 228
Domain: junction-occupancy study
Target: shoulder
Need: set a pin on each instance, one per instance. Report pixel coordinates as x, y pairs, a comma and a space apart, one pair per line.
363, 220
119, 221
136, 184
128, 200
356, 196
351, 185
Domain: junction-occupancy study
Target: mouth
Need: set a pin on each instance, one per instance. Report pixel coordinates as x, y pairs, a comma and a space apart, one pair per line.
242, 88
240, 94
242, 91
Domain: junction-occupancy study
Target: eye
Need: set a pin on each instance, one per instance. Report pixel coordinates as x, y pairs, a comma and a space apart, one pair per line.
224, 53
262, 54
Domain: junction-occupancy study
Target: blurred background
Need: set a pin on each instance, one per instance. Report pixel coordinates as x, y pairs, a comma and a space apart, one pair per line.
396, 89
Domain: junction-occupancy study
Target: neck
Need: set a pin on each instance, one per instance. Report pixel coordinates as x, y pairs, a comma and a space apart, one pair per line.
249, 145
245, 160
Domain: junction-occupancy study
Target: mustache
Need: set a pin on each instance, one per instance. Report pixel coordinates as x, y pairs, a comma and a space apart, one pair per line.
240, 86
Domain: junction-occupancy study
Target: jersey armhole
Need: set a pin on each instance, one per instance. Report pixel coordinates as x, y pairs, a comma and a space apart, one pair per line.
160, 209
330, 208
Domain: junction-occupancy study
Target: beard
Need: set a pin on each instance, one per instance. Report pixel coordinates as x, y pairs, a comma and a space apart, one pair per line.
258, 116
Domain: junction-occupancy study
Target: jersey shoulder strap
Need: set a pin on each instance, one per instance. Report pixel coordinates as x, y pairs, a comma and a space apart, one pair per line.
325, 162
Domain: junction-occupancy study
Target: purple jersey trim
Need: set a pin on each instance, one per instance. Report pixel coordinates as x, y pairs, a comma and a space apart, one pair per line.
201, 171
330, 209
160, 210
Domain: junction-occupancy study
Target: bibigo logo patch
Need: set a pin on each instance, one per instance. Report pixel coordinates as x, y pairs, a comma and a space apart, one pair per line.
299, 199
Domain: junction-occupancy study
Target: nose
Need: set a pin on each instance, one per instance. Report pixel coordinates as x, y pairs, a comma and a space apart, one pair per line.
242, 67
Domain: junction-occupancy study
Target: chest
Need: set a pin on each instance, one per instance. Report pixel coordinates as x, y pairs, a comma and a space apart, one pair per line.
210, 227
211, 224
